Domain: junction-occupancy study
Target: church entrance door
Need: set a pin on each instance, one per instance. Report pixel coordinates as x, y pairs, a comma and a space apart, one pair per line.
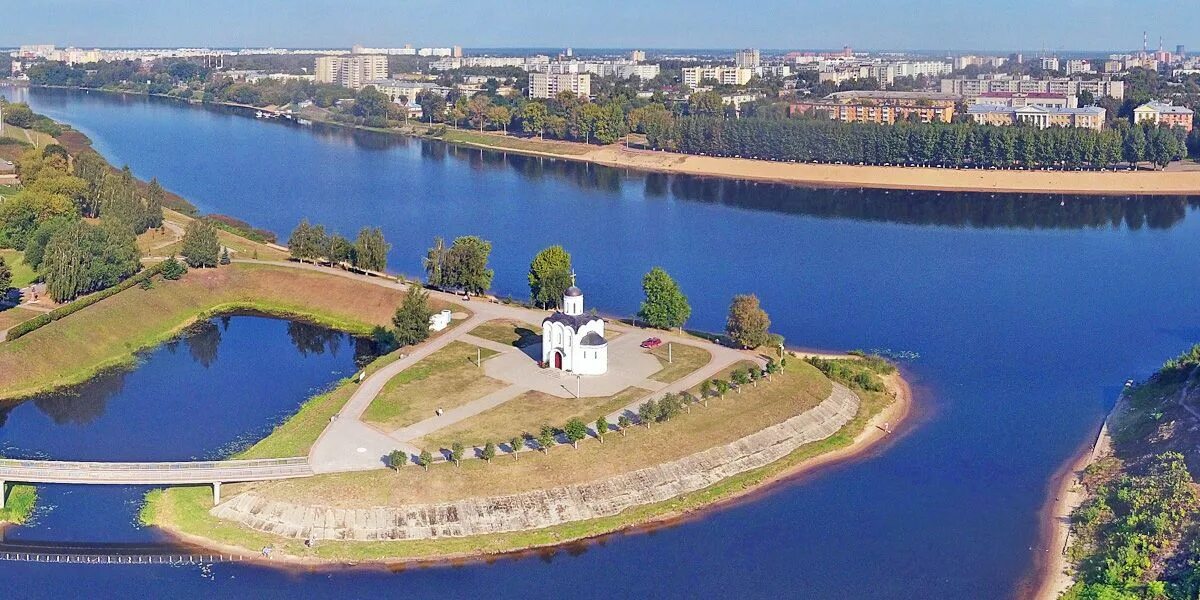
557, 359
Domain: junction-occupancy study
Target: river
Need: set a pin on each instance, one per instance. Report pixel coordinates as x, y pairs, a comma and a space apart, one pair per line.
1028, 313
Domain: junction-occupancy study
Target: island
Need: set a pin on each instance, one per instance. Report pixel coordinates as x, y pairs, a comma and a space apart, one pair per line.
484, 426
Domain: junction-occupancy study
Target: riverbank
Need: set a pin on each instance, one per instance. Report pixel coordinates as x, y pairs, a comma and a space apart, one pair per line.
109, 333
1052, 575
184, 512
1183, 179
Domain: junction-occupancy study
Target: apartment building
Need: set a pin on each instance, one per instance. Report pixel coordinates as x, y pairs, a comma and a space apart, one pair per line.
693, 76
973, 87
637, 55
749, 58
879, 107
353, 71
1088, 117
1164, 113
549, 85
1018, 100
1077, 65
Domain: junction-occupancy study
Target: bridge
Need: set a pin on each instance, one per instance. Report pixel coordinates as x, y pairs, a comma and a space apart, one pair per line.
212, 473
110, 554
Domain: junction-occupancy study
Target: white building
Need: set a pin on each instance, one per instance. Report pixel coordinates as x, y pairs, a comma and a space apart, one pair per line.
1078, 65
572, 341
548, 85
353, 71
693, 76
1050, 63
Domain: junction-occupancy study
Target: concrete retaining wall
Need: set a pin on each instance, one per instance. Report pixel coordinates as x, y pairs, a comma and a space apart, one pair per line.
545, 508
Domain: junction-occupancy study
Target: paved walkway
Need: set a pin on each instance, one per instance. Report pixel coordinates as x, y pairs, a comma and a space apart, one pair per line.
348, 444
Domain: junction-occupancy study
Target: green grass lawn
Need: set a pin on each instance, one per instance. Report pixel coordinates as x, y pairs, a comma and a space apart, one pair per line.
19, 503
8, 190
526, 414
445, 379
22, 274
512, 333
684, 359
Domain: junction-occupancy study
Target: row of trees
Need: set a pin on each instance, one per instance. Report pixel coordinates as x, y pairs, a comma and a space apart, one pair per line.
117, 196
953, 145
368, 251
576, 430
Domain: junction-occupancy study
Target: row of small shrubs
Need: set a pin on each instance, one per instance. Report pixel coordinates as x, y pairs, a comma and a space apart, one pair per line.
82, 303
575, 431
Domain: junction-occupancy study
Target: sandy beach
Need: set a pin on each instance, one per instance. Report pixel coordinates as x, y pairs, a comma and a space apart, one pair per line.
1051, 577
1145, 182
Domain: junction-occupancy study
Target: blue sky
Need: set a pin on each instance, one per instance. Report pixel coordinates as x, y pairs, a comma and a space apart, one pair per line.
799, 24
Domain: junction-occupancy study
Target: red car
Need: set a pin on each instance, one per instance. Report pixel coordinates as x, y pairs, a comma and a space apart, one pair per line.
652, 343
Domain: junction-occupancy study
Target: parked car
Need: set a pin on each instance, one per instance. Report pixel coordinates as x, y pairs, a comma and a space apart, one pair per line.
651, 343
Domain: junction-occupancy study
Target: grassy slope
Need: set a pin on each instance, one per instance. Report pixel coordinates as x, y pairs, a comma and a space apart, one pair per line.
186, 509
445, 379
512, 333
107, 334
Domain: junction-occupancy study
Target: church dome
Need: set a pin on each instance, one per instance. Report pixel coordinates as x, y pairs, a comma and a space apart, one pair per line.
593, 339
573, 291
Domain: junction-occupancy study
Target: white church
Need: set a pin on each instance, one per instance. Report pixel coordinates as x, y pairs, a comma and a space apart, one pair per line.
572, 341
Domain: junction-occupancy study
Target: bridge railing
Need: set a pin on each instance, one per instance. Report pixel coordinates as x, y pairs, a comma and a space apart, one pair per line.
49, 471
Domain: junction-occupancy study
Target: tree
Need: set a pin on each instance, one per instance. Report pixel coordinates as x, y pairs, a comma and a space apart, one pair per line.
545, 438
648, 412
84, 258
1133, 147
155, 194
412, 317
396, 459
753, 373
706, 104
172, 269
308, 242
225, 259
623, 424
740, 378
466, 265
722, 387
499, 116
489, 452
456, 453
533, 118
341, 251
549, 276
370, 250
665, 306
575, 430
200, 247
35, 245
435, 264
433, 106
601, 428
514, 445
425, 459
5, 276
747, 323
706, 390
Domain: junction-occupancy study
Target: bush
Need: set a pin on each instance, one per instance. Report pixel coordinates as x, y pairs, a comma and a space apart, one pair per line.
80, 304
172, 269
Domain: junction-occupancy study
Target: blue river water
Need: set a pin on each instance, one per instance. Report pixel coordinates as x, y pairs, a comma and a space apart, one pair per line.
1027, 313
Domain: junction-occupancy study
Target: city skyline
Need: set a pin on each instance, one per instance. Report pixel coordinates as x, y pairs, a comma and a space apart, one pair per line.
910, 25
